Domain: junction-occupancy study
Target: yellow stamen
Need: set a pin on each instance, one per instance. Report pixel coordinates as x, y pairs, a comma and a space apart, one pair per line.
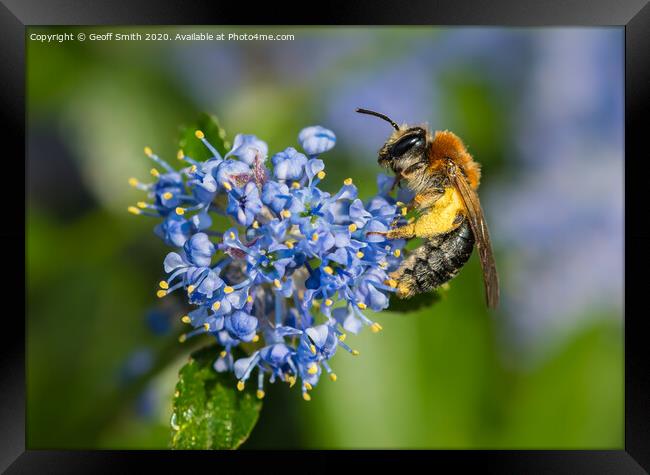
180, 155
333, 376
249, 299
355, 353
186, 319
161, 293
328, 270
177, 393
223, 354
404, 211
383, 264
295, 185
313, 369
277, 284
199, 134
260, 394
312, 348
193, 169
180, 211
285, 213
256, 225
133, 210
182, 338
289, 244
240, 385
148, 152
314, 237
397, 253
228, 290
206, 326
256, 338
362, 305
360, 255
308, 387
216, 306
376, 328
321, 174
232, 235
141, 204
163, 284
342, 337
133, 182
168, 195
328, 302
306, 396
347, 181
190, 289
227, 185
291, 380
154, 172
352, 227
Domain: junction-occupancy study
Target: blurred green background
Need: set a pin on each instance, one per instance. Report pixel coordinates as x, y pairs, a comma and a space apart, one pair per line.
537, 107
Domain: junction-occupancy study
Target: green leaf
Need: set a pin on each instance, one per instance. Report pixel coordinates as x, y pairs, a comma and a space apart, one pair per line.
208, 411
214, 133
414, 303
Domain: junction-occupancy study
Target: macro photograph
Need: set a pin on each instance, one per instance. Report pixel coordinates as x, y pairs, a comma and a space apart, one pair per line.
336, 237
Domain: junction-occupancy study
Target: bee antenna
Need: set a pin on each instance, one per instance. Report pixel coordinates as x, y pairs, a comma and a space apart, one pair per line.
377, 114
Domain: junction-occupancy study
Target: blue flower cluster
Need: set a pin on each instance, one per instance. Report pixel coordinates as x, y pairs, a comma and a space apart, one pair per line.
295, 270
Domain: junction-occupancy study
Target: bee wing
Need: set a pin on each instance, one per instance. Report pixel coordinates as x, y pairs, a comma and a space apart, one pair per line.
482, 236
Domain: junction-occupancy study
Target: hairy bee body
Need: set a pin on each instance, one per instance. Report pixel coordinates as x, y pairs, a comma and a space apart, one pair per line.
435, 262
445, 177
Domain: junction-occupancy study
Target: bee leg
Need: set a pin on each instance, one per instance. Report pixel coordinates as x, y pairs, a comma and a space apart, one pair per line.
403, 232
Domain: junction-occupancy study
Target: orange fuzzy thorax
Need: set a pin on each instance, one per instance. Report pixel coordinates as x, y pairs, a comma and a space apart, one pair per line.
445, 145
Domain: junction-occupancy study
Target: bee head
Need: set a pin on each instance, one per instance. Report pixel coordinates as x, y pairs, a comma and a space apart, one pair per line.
404, 148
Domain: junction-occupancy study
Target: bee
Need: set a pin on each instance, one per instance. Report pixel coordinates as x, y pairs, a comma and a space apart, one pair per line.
444, 177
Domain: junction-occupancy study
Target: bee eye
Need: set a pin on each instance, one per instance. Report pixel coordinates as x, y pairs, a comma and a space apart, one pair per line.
405, 144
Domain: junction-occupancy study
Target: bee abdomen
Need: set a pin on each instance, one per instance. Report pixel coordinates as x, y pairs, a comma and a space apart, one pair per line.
435, 262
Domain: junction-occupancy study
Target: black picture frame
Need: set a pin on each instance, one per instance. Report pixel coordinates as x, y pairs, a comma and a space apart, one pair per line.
633, 15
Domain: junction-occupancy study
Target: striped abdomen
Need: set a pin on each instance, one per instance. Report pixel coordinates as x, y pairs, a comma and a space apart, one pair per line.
435, 262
